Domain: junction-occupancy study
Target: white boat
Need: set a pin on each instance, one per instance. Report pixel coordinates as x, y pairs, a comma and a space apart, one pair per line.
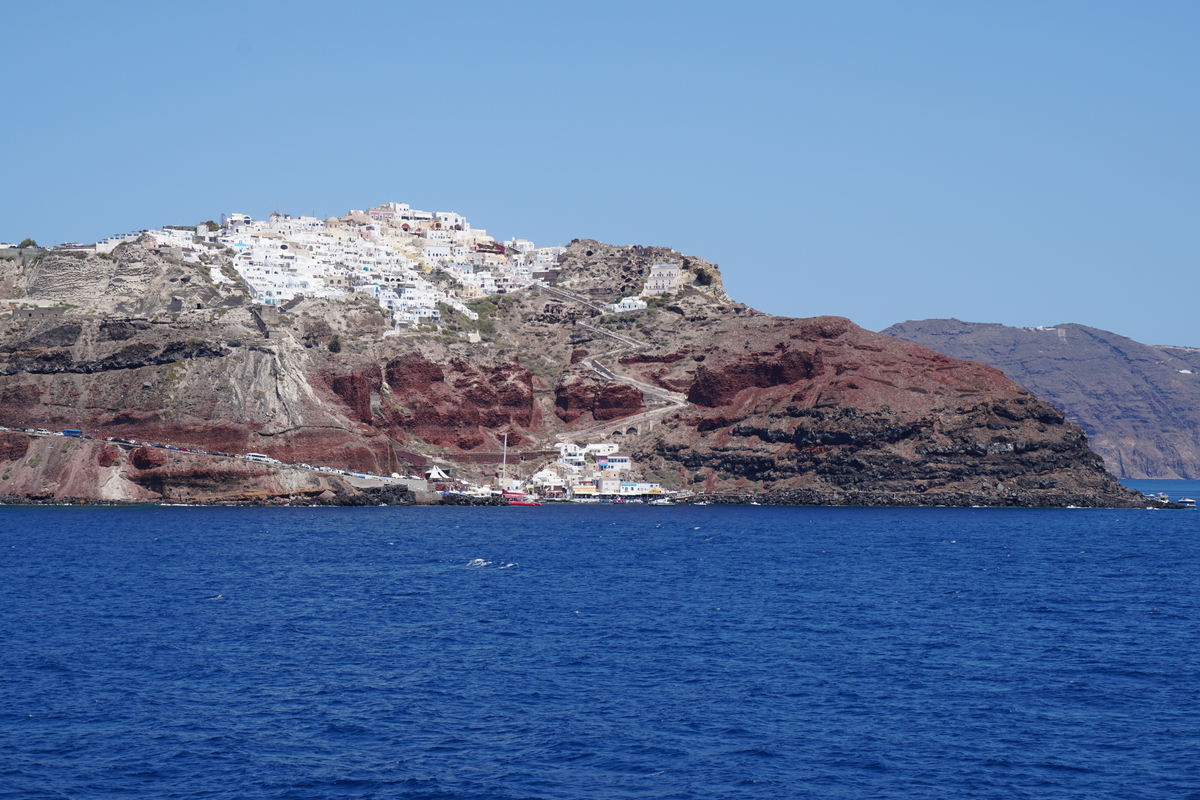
1186, 502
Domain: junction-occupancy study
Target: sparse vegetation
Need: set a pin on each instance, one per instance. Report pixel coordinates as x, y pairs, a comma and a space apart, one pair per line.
655, 302
335, 344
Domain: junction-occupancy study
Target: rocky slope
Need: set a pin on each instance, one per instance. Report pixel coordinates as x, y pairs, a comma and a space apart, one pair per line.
47, 467
1140, 404
706, 393
820, 410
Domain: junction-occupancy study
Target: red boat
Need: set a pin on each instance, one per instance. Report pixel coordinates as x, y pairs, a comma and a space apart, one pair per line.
519, 499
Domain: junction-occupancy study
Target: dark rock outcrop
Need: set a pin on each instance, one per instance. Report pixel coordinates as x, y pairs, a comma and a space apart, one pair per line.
1140, 404
823, 407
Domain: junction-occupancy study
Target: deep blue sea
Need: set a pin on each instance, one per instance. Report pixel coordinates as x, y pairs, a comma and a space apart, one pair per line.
599, 652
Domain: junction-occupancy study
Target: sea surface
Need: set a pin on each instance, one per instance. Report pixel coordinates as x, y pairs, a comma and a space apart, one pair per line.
1173, 489
599, 652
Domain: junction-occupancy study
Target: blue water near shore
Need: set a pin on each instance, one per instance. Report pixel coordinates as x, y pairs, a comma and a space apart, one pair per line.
1173, 489
601, 652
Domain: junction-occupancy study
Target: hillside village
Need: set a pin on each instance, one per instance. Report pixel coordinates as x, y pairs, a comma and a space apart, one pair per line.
407, 260
391, 253
413, 264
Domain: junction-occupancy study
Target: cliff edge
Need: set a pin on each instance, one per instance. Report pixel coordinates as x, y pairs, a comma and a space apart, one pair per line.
1138, 403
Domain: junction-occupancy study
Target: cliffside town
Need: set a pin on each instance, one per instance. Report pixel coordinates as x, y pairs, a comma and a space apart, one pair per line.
396, 342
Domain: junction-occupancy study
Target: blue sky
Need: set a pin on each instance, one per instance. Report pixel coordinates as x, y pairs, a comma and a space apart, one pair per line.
1028, 163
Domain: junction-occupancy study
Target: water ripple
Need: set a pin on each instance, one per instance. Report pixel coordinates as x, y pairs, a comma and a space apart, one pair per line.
635, 653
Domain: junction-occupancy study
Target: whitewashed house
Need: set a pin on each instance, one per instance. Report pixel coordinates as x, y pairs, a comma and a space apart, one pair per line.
663, 279
627, 304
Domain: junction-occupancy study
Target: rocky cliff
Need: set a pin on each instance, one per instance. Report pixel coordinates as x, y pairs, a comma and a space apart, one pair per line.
1140, 404
820, 410
48, 467
706, 393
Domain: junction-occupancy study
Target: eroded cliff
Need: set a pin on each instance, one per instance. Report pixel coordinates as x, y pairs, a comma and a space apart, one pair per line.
1139, 403
706, 393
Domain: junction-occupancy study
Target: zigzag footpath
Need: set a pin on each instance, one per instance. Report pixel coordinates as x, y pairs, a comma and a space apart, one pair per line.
674, 400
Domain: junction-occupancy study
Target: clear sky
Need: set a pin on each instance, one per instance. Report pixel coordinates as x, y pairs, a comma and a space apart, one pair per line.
1028, 163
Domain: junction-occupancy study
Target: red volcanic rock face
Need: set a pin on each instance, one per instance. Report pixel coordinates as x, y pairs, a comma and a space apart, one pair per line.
574, 398
355, 391
718, 385
108, 455
823, 405
412, 371
458, 405
820, 362
13, 446
617, 400
147, 458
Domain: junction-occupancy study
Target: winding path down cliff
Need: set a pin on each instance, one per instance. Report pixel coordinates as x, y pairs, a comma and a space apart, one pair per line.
674, 400
563, 294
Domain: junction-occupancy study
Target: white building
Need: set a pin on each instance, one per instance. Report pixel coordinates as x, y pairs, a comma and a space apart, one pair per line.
627, 304
384, 252
613, 463
663, 279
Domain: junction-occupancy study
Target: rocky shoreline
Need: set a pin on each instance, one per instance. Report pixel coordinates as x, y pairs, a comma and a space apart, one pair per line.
400, 496
382, 496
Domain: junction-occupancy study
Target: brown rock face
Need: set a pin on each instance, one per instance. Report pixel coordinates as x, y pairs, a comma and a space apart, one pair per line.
107, 455
355, 392
413, 372
824, 406
13, 446
458, 406
582, 394
1140, 404
147, 458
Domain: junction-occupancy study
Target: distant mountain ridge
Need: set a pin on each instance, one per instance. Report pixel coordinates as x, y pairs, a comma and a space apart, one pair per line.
1139, 403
